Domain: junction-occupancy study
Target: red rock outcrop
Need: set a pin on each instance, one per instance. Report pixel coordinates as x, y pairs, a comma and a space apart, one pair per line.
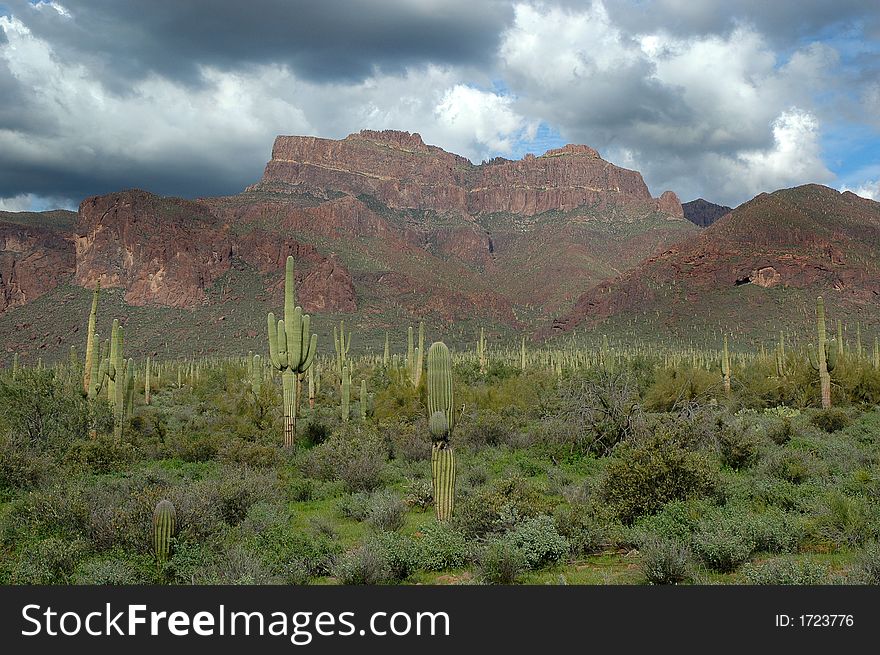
33, 260
401, 171
163, 251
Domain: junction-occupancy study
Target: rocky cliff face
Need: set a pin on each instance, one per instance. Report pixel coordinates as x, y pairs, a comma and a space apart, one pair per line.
704, 213
33, 261
401, 171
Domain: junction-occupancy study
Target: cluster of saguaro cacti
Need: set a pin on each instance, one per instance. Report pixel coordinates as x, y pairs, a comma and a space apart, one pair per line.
110, 370
823, 358
725, 366
90, 341
164, 525
291, 350
415, 354
441, 422
342, 345
346, 393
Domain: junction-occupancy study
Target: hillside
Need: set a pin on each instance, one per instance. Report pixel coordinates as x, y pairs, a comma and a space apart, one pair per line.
385, 229
756, 270
702, 212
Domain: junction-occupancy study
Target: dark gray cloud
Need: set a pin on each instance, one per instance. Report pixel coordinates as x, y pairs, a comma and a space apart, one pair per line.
319, 39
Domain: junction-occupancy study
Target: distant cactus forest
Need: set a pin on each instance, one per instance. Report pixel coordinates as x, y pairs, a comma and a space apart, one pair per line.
591, 461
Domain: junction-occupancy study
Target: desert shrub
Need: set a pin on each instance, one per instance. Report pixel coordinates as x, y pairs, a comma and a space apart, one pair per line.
781, 432
500, 562
355, 455
236, 564
366, 564
51, 561
238, 451
42, 411
795, 466
442, 547
59, 511
775, 531
665, 561
420, 494
499, 507
108, 571
722, 542
400, 552
316, 432
398, 401
102, 454
598, 411
387, 511
677, 521
539, 541
739, 445
194, 447
475, 476
355, 506
644, 476
485, 427
783, 571
409, 441
22, 467
830, 420
867, 565
584, 533
843, 521
674, 387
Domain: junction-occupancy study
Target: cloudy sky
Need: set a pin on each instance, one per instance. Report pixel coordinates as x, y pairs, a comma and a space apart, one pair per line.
715, 98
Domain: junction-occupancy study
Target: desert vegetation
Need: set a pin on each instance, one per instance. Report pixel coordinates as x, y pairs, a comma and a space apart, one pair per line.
591, 462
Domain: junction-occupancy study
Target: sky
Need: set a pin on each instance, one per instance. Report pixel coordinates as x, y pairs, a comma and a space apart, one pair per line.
720, 99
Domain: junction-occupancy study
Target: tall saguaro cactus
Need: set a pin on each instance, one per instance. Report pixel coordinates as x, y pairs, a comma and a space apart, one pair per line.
90, 340
291, 350
342, 345
441, 422
346, 394
824, 357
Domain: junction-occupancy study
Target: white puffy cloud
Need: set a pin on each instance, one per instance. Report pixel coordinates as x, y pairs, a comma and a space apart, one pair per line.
869, 189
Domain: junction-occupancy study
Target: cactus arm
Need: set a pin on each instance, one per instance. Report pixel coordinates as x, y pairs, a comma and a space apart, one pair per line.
273, 340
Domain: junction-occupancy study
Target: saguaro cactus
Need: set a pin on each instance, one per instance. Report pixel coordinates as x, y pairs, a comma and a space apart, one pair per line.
780, 356
725, 366
363, 399
164, 525
342, 345
824, 357
90, 340
290, 349
441, 422
386, 353
147, 382
346, 394
256, 375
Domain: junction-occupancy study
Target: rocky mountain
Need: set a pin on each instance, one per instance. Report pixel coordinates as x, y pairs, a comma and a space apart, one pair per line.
380, 223
703, 213
760, 267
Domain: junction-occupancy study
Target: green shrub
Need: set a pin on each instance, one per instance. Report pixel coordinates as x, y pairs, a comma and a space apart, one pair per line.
539, 541
51, 561
409, 441
400, 552
665, 561
442, 547
785, 572
585, 534
501, 562
673, 387
387, 511
830, 420
867, 566
420, 494
643, 477
108, 571
238, 451
22, 467
499, 507
795, 466
355, 455
102, 454
843, 521
723, 543
781, 432
355, 506
366, 564
740, 446
676, 522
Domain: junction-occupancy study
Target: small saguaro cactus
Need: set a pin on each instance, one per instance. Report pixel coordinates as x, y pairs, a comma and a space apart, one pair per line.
147, 382
312, 387
386, 353
291, 350
725, 366
342, 345
256, 375
164, 525
780, 356
823, 358
415, 354
441, 422
363, 400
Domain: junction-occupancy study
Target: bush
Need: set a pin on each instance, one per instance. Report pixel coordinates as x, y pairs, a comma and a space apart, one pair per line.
51, 561
420, 494
22, 467
499, 507
674, 387
442, 547
102, 454
781, 432
843, 521
785, 572
867, 566
387, 511
723, 543
355, 455
409, 441
355, 506
739, 446
665, 561
583, 531
238, 451
539, 541
366, 564
400, 552
108, 571
830, 420
501, 562
795, 466
643, 477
